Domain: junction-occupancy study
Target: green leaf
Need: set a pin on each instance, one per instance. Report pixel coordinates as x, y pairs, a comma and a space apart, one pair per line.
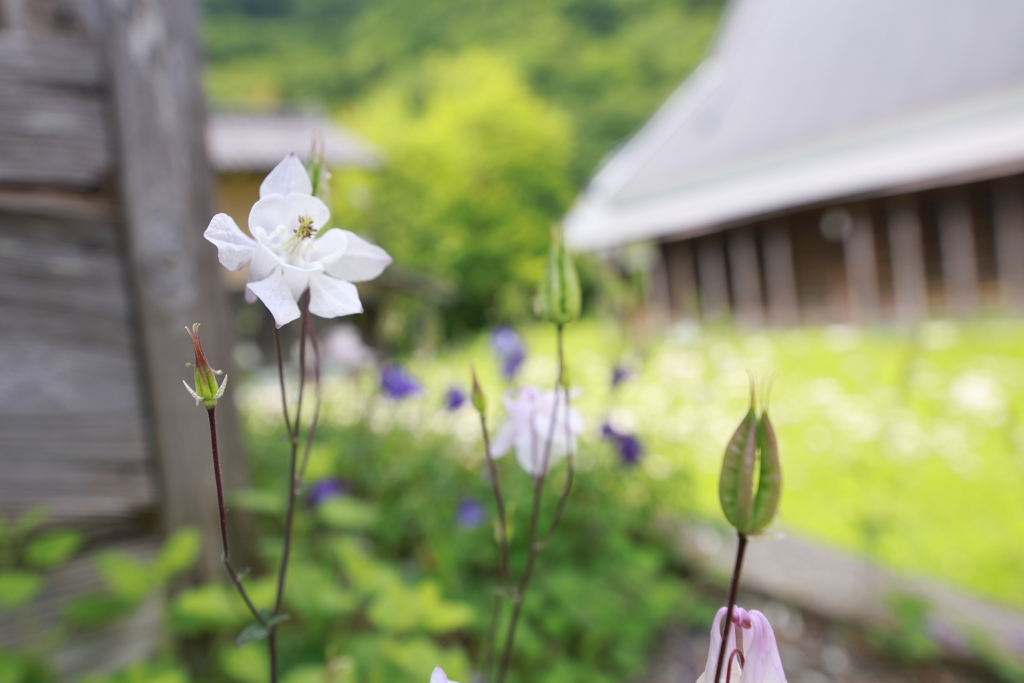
17, 587
769, 485
258, 501
180, 551
257, 631
96, 609
736, 485
13, 668
248, 665
310, 673
251, 633
346, 513
30, 520
211, 607
128, 578
53, 548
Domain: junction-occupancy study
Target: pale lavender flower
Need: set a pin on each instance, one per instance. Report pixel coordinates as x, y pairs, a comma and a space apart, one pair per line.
396, 383
470, 513
508, 346
528, 428
757, 661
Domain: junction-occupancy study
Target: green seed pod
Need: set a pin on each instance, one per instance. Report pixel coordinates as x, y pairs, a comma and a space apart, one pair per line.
754, 441
479, 400
558, 299
207, 390
769, 485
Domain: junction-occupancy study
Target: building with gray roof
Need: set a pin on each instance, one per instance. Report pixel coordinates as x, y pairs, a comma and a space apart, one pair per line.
848, 160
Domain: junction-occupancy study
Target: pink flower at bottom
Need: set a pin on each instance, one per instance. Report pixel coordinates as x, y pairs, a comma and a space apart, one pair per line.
760, 661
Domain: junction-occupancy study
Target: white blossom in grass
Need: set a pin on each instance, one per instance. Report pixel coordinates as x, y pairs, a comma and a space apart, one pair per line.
288, 254
528, 428
755, 660
439, 676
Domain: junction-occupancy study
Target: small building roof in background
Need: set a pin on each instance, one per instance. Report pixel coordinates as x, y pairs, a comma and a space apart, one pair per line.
802, 102
257, 142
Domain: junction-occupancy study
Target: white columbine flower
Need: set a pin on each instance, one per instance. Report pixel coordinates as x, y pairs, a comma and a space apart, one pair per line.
528, 428
438, 676
756, 660
289, 254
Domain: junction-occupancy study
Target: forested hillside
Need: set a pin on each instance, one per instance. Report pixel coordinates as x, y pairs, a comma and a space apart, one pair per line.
492, 114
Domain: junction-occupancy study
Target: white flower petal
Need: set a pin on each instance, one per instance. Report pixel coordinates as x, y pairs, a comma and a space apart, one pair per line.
503, 439
287, 177
276, 210
264, 260
298, 277
234, 247
277, 297
361, 261
439, 676
329, 247
763, 662
331, 298
716, 644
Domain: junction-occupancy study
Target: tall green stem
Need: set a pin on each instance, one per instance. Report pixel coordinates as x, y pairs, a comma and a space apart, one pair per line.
534, 546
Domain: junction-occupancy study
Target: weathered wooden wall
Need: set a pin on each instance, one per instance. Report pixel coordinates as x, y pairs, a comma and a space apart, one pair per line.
104, 194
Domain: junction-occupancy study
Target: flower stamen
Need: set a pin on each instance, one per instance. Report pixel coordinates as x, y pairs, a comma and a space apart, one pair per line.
305, 230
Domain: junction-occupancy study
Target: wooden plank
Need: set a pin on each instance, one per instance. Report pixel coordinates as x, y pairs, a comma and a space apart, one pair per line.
909, 282
745, 271
57, 203
682, 278
1008, 217
956, 247
861, 267
166, 186
49, 61
53, 135
780, 275
712, 274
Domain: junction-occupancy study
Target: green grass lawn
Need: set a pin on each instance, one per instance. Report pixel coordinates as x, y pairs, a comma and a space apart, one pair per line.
907, 446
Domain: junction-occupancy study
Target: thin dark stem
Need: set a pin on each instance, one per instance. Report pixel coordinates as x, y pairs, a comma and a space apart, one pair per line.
317, 396
280, 377
225, 556
560, 508
734, 655
503, 575
534, 546
733, 588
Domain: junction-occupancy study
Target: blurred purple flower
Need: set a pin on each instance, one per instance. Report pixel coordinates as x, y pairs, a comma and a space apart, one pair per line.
508, 346
620, 373
470, 513
453, 399
629, 447
396, 383
323, 490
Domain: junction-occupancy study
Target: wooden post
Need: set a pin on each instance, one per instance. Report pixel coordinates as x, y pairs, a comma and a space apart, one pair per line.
1008, 216
682, 280
713, 277
780, 276
956, 246
909, 282
165, 183
745, 271
861, 267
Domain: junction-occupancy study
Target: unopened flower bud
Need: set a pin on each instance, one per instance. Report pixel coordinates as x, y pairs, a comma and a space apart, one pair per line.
558, 299
207, 390
479, 401
753, 445
319, 176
